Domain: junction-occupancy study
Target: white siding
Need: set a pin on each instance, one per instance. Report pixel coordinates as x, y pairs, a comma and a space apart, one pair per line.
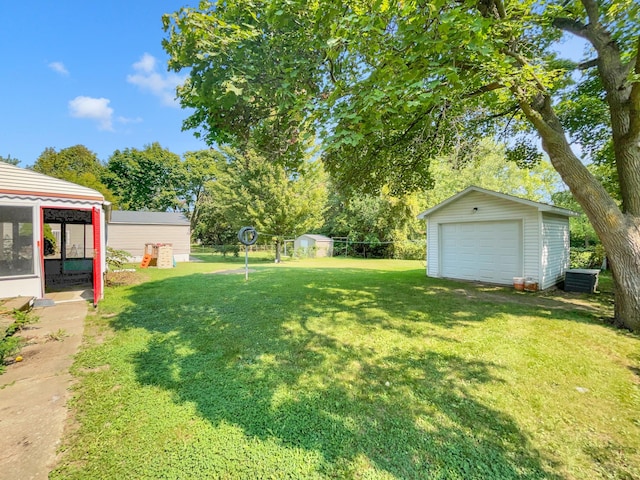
554, 258
489, 208
132, 238
18, 181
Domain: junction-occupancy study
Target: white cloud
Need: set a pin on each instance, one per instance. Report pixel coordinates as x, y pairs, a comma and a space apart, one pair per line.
149, 79
59, 67
146, 64
93, 108
126, 120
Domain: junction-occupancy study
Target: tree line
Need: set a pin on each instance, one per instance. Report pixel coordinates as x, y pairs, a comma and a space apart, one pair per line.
221, 190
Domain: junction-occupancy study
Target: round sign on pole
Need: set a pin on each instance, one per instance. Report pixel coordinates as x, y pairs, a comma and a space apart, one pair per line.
248, 236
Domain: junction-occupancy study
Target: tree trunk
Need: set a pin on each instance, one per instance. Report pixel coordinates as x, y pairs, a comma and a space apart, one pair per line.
619, 232
278, 247
626, 275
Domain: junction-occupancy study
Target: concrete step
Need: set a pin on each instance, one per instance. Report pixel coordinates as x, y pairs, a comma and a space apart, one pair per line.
7, 306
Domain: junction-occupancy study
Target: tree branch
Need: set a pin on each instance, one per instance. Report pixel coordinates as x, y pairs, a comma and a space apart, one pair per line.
524, 62
572, 26
588, 64
484, 89
504, 113
593, 12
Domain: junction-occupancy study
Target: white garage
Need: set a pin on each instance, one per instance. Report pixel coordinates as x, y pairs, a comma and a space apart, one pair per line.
491, 237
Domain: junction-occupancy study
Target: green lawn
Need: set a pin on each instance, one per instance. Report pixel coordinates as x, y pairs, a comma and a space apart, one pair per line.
356, 369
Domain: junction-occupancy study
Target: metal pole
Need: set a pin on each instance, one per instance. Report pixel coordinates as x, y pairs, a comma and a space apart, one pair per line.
246, 263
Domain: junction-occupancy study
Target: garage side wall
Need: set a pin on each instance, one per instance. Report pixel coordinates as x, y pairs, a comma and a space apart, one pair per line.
132, 238
554, 258
489, 208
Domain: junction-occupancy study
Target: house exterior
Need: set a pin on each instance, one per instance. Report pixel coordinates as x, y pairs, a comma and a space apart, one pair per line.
314, 245
492, 237
131, 231
52, 234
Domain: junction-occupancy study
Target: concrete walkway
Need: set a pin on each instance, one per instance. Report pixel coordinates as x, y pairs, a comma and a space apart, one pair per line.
35, 391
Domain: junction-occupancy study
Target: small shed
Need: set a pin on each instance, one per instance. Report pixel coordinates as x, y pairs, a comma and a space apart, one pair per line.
492, 237
131, 231
52, 234
314, 245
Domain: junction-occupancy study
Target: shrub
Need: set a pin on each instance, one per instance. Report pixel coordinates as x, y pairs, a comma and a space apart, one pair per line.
116, 258
587, 257
409, 250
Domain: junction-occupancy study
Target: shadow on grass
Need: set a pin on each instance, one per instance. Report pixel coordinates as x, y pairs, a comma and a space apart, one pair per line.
315, 360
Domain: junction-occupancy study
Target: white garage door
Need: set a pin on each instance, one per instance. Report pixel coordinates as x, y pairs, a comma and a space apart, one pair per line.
483, 251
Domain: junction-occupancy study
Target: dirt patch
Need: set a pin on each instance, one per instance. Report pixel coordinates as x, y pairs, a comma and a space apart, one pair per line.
232, 272
600, 304
123, 278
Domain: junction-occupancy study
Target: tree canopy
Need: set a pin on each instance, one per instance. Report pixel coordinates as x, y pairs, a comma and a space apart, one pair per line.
277, 201
391, 84
200, 167
75, 164
486, 168
149, 179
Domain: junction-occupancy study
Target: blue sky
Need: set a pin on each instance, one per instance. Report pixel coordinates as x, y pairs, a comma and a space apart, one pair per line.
87, 72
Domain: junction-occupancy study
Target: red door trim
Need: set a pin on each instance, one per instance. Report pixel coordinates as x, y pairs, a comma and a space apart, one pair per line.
97, 256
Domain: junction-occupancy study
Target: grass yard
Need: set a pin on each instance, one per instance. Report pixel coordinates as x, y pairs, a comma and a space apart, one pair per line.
353, 369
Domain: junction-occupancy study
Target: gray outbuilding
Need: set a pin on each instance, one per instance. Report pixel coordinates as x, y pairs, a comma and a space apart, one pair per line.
131, 231
313, 245
492, 237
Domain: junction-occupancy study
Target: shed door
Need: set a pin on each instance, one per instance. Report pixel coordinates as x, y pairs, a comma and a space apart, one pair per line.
483, 251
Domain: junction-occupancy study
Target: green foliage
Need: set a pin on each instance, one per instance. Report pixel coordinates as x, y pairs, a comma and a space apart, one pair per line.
116, 259
391, 85
278, 201
583, 236
75, 164
378, 226
486, 167
50, 241
151, 179
200, 167
226, 249
236, 67
9, 346
335, 368
587, 257
9, 160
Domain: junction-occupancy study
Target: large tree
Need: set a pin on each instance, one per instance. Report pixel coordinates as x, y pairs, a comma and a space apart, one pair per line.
150, 179
278, 201
75, 164
200, 167
392, 83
